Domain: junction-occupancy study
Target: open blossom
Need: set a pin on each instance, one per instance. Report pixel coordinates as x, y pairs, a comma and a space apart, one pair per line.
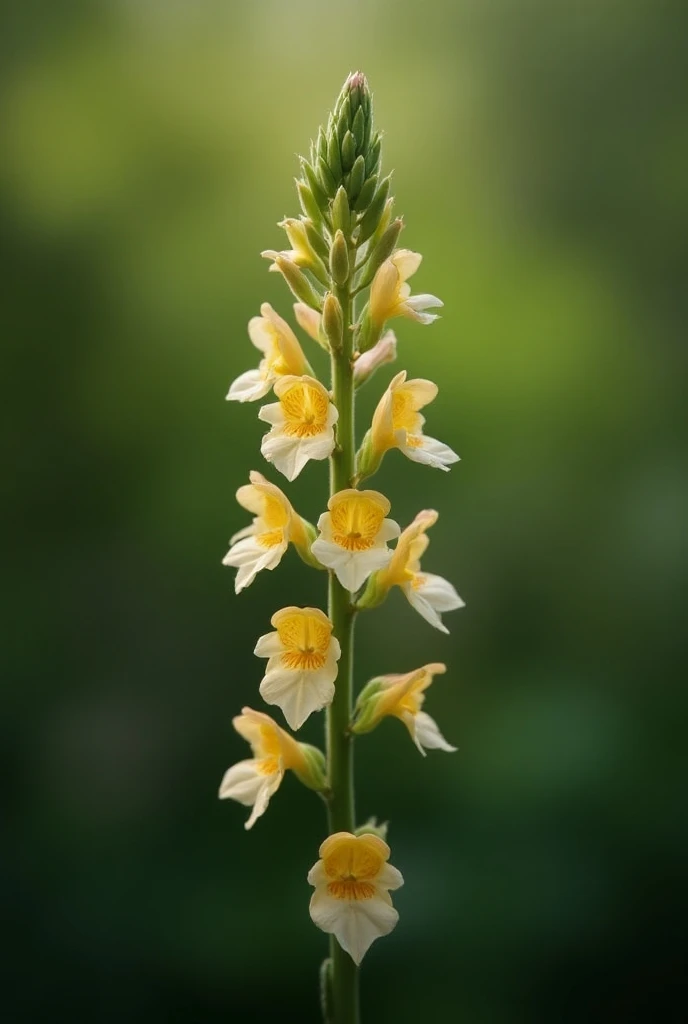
252, 782
282, 354
402, 696
429, 594
398, 423
302, 663
302, 424
390, 294
354, 534
262, 544
351, 901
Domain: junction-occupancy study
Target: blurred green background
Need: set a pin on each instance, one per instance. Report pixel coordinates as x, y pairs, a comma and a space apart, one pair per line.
541, 156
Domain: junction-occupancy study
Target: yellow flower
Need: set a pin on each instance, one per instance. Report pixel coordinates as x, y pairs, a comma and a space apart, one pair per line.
402, 696
398, 423
282, 355
351, 901
430, 595
302, 663
390, 295
262, 544
252, 782
302, 425
353, 536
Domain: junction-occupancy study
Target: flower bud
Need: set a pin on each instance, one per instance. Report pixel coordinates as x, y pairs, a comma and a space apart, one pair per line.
314, 185
368, 362
367, 331
368, 458
308, 203
358, 128
317, 242
341, 218
339, 259
382, 251
366, 194
333, 322
348, 151
297, 281
302, 539
356, 178
309, 321
325, 177
373, 214
373, 828
375, 592
312, 769
372, 159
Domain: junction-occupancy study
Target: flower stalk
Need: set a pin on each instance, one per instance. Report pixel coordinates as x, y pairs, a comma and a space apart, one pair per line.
344, 245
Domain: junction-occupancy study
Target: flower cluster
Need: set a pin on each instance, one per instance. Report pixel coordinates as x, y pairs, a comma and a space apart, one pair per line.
344, 243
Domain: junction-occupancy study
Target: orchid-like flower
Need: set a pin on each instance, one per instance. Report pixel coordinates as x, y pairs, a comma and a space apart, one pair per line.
402, 696
398, 423
262, 544
282, 355
302, 663
429, 594
351, 901
253, 782
353, 536
390, 294
302, 425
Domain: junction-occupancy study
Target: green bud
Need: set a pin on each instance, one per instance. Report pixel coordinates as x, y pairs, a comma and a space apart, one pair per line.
321, 148
344, 119
373, 155
325, 177
341, 219
373, 828
333, 322
339, 258
310, 533
368, 458
315, 186
333, 156
382, 251
358, 128
314, 773
385, 221
356, 177
367, 333
308, 203
298, 282
348, 151
316, 240
366, 194
371, 218
374, 594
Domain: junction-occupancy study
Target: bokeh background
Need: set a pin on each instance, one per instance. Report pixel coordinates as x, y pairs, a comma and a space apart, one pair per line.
541, 155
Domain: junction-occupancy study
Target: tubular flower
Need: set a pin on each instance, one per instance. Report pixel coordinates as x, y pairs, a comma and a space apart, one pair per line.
308, 320
403, 697
282, 354
262, 544
302, 663
252, 782
351, 901
397, 423
390, 295
353, 536
430, 595
302, 425
385, 351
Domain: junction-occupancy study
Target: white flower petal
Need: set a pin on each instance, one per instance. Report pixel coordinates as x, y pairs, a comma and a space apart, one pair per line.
352, 568
250, 557
423, 607
249, 387
430, 453
272, 413
428, 734
389, 877
298, 694
355, 923
269, 645
440, 593
388, 530
270, 785
241, 782
419, 302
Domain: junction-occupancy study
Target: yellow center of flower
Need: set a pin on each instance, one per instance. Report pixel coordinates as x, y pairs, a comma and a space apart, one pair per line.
352, 867
404, 416
275, 515
305, 409
356, 522
274, 358
306, 640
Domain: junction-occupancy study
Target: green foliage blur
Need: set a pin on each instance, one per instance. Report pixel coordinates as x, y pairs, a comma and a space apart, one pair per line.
541, 162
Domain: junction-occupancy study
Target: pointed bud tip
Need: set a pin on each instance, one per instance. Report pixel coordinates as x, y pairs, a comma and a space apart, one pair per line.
357, 80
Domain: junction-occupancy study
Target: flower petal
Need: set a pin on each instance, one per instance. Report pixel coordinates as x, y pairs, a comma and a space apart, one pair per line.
355, 923
298, 694
428, 735
249, 387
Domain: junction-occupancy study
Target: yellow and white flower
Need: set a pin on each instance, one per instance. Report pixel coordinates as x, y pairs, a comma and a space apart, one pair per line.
262, 544
302, 663
398, 423
282, 355
429, 594
252, 782
402, 696
302, 424
353, 536
390, 295
351, 901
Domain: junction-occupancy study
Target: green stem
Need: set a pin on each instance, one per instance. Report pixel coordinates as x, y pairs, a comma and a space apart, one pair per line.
345, 1009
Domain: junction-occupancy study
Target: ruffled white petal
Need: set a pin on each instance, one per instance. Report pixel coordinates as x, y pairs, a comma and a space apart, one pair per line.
297, 693
440, 593
250, 386
423, 607
352, 568
428, 734
430, 453
355, 923
250, 557
244, 783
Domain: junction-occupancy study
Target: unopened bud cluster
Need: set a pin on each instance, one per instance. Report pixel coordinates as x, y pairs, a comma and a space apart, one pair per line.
349, 279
